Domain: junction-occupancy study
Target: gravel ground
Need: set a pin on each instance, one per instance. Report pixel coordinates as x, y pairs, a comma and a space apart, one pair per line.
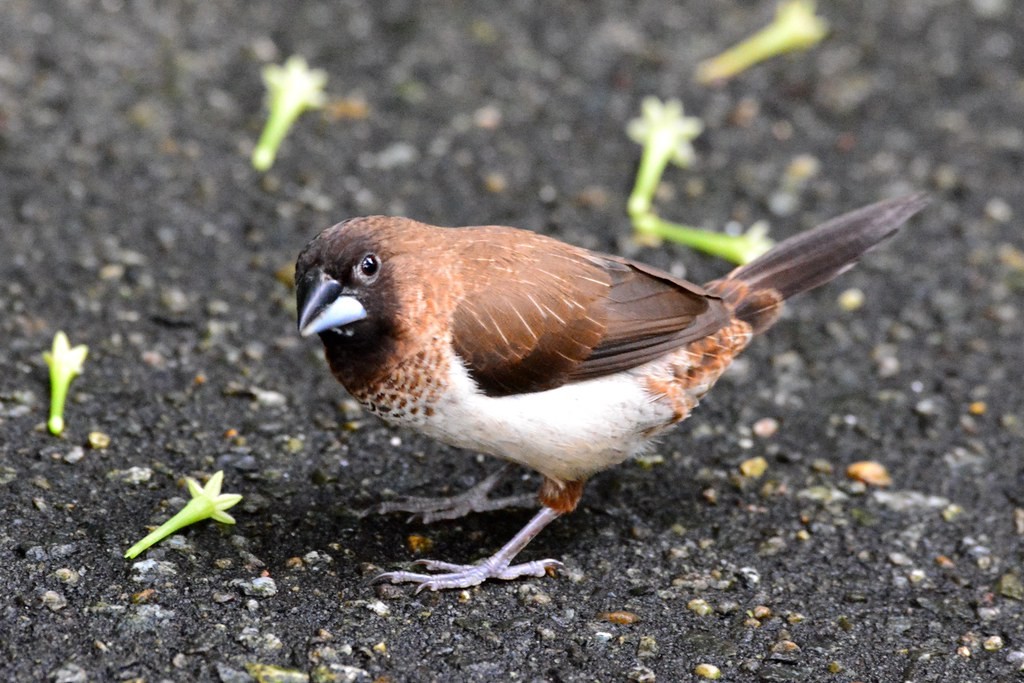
131, 219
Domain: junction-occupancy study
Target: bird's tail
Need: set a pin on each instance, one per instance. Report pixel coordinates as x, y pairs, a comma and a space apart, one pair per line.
755, 291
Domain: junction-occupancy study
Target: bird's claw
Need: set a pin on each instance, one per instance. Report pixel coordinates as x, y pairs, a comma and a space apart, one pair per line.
474, 499
467, 575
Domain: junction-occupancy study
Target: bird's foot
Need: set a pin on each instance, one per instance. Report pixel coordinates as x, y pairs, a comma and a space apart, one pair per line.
468, 575
452, 507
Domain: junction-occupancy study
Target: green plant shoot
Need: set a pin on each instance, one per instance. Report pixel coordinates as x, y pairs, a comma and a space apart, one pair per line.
207, 502
795, 27
665, 134
65, 364
292, 88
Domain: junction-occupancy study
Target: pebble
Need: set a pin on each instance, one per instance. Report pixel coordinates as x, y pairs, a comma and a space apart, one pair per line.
869, 472
766, 427
74, 455
132, 475
754, 468
54, 601
648, 647
751, 577
998, 210
268, 398
993, 643
699, 607
378, 608
66, 575
147, 617
335, 672
1010, 586
148, 571
851, 299
708, 671
69, 673
261, 586
268, 673
98, 440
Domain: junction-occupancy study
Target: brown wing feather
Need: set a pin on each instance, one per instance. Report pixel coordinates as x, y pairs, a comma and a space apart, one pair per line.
545, 313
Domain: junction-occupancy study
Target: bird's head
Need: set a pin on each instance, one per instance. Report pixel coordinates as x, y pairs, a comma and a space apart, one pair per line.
346, 283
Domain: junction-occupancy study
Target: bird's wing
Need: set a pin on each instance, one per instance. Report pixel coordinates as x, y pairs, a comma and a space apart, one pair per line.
542, 313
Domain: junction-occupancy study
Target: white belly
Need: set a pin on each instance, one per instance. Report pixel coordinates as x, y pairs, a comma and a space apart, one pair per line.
565, 433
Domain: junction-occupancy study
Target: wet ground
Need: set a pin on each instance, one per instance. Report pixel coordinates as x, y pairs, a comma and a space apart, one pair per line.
131, 219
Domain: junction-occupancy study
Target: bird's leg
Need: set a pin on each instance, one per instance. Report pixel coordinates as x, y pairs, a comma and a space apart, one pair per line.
558, 498
474, 499
497, 566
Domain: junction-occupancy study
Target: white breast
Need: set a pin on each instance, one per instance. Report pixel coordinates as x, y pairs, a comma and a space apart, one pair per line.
565, 433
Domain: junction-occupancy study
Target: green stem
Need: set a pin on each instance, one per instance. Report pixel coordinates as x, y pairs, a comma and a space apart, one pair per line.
196, 510
653, 161
58, 396
277, 127
795, 28
735, 248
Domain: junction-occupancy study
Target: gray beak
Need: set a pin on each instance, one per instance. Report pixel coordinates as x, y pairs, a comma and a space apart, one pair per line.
324, 306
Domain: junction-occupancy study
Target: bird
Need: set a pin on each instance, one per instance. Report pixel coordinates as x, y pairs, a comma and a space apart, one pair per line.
547, 355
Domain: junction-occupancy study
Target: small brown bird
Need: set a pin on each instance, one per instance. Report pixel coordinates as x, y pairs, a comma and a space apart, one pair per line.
516, 345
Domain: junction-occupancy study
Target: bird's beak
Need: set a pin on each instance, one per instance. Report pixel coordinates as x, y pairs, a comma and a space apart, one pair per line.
323, 305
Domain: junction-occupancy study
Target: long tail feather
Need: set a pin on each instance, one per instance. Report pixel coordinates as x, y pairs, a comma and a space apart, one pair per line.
805, 261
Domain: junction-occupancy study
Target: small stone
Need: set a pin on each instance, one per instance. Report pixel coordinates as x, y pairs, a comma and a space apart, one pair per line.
899, 559
132, 475
754, 468
993, 644
851, 299
149, 571
268, 398
648, 647
998, 210
74, 455
766, 427
869, 472
418, 544
53, 601
336, 672
260, 587
1010, 586
98, 440
751, 577
66, 575
495, 183
378, 608
951, 512
620, 617
147, 617
69, 673
268, 673
708, 671
641, 674
700, 607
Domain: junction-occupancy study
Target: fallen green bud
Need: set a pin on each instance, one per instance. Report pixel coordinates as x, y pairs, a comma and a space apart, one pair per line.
291, 89
65, 364
795, 27
207, 502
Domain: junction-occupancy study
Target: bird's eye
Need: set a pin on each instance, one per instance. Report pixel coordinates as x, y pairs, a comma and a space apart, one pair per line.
368, 267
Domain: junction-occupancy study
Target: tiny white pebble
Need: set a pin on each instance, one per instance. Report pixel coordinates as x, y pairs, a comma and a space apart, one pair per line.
851, 299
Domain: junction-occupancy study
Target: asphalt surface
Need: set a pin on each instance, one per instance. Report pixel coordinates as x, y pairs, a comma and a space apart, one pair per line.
131, 219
